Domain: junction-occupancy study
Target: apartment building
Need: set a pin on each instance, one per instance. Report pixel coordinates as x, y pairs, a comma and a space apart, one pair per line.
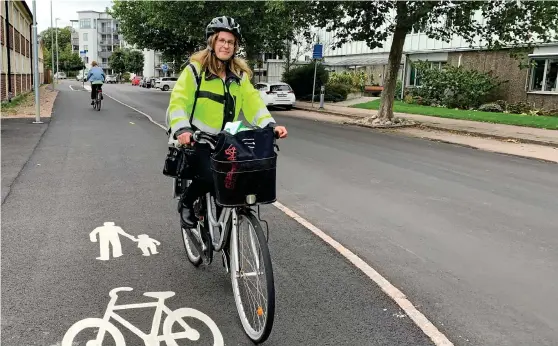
98, 34
16, 34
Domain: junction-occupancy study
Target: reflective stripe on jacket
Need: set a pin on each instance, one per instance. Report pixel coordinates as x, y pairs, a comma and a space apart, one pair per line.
218, 102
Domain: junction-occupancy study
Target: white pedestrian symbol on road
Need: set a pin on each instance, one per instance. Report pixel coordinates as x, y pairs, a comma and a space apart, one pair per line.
109, 235
146, 244
103, 326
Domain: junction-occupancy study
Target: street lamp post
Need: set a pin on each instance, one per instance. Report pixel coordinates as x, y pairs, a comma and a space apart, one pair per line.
36, 67
57, 51
52, 45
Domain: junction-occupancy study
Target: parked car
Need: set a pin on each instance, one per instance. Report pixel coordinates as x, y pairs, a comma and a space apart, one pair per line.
136, 80
111, 78
277, 94
60, 75
166, 83
145, 82
82, 76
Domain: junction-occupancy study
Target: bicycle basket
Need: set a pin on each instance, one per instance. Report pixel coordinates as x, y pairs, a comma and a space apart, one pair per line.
234, 180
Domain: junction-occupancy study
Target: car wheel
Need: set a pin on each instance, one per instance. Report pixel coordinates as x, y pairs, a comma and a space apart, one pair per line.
165, 88
289, 108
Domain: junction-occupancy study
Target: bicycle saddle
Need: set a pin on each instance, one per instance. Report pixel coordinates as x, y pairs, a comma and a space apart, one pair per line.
159, 295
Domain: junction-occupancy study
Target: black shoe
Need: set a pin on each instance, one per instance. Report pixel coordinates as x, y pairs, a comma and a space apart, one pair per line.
92, 102
187, 217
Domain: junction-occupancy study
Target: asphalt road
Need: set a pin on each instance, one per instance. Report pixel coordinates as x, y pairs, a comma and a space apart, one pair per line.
469, 236
94, 167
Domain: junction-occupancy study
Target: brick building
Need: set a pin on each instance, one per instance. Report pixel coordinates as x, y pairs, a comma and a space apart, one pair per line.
16, 42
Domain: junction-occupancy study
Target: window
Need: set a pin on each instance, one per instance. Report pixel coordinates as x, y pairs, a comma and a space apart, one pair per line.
85, 36
16, 19
280, 87
414, 75
85, 23
544, 75
105, 60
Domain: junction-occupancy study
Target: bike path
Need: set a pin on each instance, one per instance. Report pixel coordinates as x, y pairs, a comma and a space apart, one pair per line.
95, 167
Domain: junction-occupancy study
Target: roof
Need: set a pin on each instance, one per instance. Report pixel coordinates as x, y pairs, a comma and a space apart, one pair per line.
27, 8
360, 61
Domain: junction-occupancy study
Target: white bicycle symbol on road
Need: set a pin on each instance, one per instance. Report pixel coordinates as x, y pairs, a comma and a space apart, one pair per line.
153, 339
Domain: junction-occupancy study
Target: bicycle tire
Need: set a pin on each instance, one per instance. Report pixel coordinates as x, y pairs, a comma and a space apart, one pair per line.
196, 260
262, 334
99, 102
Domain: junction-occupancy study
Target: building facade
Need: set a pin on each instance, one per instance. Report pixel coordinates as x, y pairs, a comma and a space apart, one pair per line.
16, 42
537, 85
97, 33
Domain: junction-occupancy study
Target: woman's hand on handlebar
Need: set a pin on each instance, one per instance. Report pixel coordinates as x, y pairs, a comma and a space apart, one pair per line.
280, 131
185, 138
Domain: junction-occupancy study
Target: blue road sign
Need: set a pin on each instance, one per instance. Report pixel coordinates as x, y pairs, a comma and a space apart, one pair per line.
164, 67
318, 51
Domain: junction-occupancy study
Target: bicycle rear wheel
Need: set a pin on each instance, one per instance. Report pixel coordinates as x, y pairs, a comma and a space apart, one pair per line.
99, 101
252, 277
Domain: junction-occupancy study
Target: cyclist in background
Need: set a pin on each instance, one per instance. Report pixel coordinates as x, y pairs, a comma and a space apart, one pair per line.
97, 77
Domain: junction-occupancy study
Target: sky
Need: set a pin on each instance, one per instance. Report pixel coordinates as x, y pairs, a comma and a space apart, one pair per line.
66, 10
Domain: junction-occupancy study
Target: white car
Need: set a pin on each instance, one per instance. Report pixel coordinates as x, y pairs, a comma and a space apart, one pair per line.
277, 94
165, 83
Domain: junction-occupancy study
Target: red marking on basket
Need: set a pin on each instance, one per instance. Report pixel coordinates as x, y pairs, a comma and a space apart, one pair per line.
231, 156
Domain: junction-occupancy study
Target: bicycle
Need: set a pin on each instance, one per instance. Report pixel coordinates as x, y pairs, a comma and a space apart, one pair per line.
223, 231
97, 102
153, 338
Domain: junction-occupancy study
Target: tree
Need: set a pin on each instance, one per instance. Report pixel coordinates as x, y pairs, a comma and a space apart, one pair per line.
67, 61
117, 61
134, 62
505, 24
49, 37
177, 28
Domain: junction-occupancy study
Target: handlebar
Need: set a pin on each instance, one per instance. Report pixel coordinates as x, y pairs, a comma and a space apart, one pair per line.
206, 138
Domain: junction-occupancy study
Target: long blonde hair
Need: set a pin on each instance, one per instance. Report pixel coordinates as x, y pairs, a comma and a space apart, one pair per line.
209, 61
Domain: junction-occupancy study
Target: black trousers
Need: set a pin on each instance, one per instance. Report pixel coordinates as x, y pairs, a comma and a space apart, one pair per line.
203, 183
94, 88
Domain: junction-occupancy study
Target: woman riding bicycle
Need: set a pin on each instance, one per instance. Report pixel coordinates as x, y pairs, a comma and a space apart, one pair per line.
97, 77
225, 90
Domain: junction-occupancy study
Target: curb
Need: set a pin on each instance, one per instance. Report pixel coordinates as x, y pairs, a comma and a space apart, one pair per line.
440, 128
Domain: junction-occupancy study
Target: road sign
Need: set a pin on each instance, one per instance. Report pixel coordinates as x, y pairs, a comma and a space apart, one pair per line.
318, 51
82, 53
164, 67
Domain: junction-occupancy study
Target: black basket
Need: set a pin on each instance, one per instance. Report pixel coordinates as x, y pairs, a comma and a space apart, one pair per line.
234, 180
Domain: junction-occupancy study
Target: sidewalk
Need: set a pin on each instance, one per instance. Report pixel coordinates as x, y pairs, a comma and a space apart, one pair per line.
500, 131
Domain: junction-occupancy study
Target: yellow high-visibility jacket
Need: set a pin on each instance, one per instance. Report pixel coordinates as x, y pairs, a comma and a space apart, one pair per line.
218, 102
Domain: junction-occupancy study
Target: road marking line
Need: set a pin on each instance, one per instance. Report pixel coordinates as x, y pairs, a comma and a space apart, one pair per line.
71, 87
393, 292
87, 87
140, 112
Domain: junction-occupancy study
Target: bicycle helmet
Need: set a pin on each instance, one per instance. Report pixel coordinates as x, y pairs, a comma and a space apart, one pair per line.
223, 23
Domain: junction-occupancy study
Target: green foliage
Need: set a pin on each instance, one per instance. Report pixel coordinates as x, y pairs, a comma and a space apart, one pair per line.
338, 89
454, 87
301, 78
354, 80
67, 61
126, 77
134, 61
519, 108
117, 61
177, 28
491, 107
398, 90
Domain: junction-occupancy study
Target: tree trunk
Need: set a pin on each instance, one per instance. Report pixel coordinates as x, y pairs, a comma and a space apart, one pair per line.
386, 104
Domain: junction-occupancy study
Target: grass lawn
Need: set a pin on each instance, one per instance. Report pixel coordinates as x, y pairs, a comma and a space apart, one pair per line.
544, 122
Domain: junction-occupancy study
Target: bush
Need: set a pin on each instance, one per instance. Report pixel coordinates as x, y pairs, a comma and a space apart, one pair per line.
491, 107
339, 89
301, 78
503, 104
328, 97
126, 77
354, 80
454, 87
519, 108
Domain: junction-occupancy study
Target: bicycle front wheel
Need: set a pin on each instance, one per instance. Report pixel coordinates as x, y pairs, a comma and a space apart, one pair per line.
252, 277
